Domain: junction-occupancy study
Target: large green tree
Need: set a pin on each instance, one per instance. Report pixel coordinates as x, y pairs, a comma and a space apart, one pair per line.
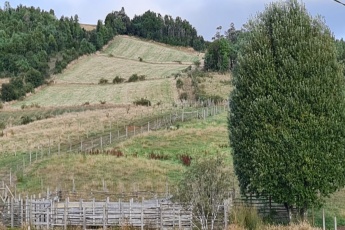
287, 119
217, 57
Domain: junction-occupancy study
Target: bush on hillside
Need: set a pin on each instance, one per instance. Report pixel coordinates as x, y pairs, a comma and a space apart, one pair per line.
135, 77
26, 120
183, 96
103, 81
118, 80
142, 101
179, 83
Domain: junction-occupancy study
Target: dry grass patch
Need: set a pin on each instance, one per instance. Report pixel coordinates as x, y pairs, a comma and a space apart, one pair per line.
68, 127
133, 48
217, 84
88, 27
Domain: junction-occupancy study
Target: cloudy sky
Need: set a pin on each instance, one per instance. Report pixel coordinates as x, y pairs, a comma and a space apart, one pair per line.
204, 15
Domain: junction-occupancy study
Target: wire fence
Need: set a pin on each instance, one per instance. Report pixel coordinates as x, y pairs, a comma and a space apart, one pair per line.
89, 144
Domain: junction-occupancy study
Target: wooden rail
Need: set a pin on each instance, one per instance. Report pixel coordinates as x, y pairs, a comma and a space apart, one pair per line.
48, 214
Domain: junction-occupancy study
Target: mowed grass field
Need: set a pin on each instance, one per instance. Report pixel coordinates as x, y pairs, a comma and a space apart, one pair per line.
90, 69
79, 81
150, 51
160, 90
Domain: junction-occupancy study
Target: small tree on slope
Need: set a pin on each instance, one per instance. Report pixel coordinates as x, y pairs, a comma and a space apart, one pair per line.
287, 120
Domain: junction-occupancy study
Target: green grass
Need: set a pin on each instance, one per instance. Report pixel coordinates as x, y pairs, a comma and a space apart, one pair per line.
133, 48
334, 207
89, 172
193, 138
135, 167
72, 95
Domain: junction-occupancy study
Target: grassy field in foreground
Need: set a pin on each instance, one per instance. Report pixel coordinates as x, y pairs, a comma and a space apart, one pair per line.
136, 166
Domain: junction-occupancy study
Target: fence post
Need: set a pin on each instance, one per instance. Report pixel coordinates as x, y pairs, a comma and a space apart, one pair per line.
130, 210
49, 146
12, 213
335, 223
11, 177
30, 156
47, 218
65, 214
126, 131
110, 136
101, 143
93, 211
179, 219
225, 214
148, 126
21, 212
84, 218
104, 227
142, 214
59, 149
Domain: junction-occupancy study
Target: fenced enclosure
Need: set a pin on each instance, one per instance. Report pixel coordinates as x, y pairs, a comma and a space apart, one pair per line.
145, 214
96, 143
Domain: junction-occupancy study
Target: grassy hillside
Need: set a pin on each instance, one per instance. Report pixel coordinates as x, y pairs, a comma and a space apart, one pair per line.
133, 48
162, 90
90, 69
79, 82
137, 166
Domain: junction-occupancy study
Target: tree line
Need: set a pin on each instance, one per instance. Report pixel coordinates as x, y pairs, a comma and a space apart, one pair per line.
35, 44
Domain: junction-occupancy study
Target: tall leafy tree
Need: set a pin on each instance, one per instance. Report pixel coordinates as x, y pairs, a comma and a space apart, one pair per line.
287, 119
217, 57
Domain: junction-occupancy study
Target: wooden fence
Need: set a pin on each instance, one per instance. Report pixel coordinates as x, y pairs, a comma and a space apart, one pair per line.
148, 214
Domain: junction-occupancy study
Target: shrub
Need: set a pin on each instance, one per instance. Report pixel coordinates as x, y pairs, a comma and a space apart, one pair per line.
24, 106
197, 63
176, 75
246, 217
186, 159
118, 80
20, 176
135, 77
179, 83
158, 156
142, 78
35, 105
103, 81
86, 103
26, 120
2, 125
183, 96
102, 102
140, 59
216, 99
142, 101
1, 105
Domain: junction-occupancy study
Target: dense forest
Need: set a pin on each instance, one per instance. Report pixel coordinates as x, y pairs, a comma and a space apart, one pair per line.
34, 43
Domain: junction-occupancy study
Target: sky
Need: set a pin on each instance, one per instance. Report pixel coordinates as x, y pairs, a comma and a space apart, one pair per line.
204, 15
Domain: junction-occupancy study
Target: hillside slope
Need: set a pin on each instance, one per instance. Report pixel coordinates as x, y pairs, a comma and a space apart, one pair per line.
79, 82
